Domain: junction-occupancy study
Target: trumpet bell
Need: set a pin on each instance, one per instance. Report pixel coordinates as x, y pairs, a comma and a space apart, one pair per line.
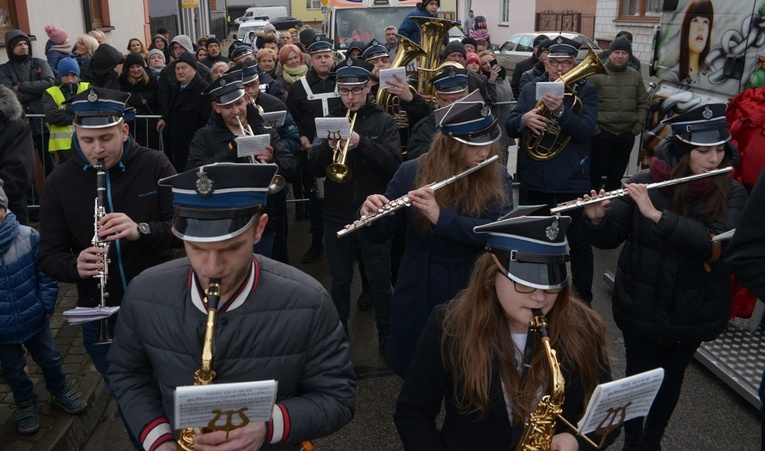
338, 172
277, 184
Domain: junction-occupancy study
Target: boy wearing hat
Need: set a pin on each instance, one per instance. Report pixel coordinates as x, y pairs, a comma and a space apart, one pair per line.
373, 156
409, 28
622, 112
232, 111
314, 96
57, 117
274, 321
565, 176
213, 53
138, 214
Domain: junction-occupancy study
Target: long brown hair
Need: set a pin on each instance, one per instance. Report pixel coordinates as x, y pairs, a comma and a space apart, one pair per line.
698, 8
477, 337
472, 195
716, 204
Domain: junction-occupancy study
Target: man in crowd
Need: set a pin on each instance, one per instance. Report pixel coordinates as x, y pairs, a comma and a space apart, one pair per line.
274, 322
376, 54
526, 64
455, 51
167, 80
622, 112
17, 158
469, 22
314, 96
138, 214
551, 178
633, 62
391, 40
213, 53
374, 155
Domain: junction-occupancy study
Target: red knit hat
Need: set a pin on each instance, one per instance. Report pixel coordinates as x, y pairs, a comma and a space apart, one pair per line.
57, 35
473, 58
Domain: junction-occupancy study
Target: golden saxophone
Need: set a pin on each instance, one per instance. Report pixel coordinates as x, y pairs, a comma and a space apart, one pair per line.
205, 374
539, 430
105, 334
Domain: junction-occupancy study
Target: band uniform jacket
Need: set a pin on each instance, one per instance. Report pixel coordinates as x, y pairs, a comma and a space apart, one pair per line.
372, 163
286, 329
435, 266
569, 171
67, 216
305, 110
430, 383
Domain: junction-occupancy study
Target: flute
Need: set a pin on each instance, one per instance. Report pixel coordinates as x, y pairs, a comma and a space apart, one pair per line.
404, 200
573, 204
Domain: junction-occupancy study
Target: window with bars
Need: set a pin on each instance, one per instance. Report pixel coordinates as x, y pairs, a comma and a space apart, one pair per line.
630, 9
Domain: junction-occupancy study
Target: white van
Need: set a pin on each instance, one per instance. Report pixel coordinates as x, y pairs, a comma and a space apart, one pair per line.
263, 12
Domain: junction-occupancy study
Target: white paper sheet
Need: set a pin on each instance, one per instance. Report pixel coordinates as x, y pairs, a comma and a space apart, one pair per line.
332, 127
199, 405
251, 145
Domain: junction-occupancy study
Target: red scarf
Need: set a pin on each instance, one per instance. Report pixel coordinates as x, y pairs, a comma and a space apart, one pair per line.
662, 171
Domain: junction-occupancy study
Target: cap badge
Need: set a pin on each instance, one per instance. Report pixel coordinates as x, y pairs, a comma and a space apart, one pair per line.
551, 232
222, 81
205, 186
707, 113
92, 97
559, 41
349, 62
452, 73
485, 111
317, 38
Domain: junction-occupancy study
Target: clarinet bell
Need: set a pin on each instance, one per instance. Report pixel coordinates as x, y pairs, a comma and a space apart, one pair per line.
105, 334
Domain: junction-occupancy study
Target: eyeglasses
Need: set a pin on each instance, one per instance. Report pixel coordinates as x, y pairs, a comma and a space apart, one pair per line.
356, 91
556, 63
521, 288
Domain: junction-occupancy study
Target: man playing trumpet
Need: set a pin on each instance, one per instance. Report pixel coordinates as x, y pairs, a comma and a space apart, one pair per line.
559, 177
373, 155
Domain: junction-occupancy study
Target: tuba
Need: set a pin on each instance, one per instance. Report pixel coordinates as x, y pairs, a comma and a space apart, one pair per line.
277, 184
548, 144
338, 171
105, 334
432, 34
539, 430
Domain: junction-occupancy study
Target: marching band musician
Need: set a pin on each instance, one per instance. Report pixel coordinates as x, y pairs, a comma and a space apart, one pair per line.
567, 175
376, 54
231, 114
273, 322
440, 244
478, 356
138, 219
672, 290
373, 156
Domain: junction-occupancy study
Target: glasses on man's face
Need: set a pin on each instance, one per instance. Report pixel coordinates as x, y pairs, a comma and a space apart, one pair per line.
556, 63
355, 91
521, 288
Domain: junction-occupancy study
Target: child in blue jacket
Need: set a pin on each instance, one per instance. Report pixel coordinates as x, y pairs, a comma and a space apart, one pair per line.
27, 296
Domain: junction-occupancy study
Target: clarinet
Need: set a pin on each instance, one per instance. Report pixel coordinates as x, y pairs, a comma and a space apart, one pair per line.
105, 334
404, 200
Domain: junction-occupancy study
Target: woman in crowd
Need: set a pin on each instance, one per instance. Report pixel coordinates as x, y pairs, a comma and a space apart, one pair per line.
479, 356
84, 48
156, 62
201, 53
98, 35
498, 87
695, 43
440, 244
672, 290
481, 34
293, 65
135, 45
218, 69
142, 87
267, 60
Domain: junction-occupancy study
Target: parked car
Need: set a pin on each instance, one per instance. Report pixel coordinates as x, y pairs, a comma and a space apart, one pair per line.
520, 46
455, 34
252, 25
285, 23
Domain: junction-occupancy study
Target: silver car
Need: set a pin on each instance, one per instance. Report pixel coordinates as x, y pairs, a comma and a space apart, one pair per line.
520, 46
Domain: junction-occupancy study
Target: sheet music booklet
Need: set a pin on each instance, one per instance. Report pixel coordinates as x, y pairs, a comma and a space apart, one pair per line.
224, 405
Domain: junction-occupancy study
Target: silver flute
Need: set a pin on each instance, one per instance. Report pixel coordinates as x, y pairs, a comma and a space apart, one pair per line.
576, 203
404, 200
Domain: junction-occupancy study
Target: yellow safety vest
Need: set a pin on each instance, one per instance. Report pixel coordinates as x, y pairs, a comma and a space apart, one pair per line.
61, 135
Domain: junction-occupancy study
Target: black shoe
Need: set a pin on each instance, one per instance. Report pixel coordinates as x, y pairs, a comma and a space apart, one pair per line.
314, 252
364, 302
384, 347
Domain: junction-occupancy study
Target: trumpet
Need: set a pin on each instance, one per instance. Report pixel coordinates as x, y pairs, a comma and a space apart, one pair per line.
105, 334
576, 203
338, 171
277, 184
404, 201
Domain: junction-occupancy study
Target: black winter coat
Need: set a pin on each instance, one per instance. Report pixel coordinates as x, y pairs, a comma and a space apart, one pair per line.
746, 252
188, 111
663, 291
143, 97
99, 70
17, 157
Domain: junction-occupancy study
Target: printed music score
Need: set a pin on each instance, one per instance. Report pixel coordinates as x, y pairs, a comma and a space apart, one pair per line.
387, 76
79, 315
631, 397
553, 87
215, 404
274, 119
333, 127
247, 146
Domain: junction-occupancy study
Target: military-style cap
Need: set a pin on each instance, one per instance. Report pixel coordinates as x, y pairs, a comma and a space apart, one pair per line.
560, 47
530, 249
374, 50
218, 201
353, 71
248, 70
450, 77
469, 120
355, 45
702, 126
320, 44
240, 52
99, 107
227, 88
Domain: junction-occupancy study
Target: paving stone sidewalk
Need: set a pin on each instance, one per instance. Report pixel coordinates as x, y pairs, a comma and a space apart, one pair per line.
58, 430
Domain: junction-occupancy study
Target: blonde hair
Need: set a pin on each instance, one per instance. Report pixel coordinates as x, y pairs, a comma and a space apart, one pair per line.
99, 36
267, 52
90, 43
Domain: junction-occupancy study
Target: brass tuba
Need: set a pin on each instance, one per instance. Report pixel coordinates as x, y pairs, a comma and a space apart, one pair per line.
432, 34
548, 144
338, 171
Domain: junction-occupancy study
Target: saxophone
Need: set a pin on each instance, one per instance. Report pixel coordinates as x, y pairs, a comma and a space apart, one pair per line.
105, 334
539, 431
205, 374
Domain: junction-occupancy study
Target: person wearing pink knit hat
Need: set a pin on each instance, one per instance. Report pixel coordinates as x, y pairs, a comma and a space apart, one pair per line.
57, 47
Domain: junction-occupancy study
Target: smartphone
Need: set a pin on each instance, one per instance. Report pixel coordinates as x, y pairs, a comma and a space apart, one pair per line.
493, 63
